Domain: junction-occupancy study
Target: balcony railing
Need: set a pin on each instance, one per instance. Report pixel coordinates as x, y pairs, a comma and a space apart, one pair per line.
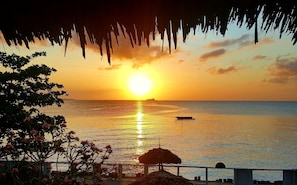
241, 176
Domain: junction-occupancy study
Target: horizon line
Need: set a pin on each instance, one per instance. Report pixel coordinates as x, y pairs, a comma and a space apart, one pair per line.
179, 100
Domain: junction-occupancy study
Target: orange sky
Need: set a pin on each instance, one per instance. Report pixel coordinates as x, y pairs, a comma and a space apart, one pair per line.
206, 67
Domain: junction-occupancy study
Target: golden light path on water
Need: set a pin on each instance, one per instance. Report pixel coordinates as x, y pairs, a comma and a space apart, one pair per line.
139, 116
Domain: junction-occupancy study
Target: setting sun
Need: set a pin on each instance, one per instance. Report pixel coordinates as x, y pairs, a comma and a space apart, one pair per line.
140, 84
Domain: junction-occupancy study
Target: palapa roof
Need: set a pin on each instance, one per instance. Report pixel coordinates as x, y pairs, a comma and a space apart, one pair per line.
158, 156
57, 20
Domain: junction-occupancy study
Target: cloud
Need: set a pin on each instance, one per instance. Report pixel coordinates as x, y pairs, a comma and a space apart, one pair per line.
229, 42
112, 67
283, 71
212, 54
266, 41
138, 55
221, 71
259, 57
278, 80
242, 41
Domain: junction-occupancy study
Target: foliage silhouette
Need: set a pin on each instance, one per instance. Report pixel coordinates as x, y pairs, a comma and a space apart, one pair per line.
24, 89
28, 137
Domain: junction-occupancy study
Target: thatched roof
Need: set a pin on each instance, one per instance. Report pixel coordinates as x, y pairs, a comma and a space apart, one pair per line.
56, 20
158, 156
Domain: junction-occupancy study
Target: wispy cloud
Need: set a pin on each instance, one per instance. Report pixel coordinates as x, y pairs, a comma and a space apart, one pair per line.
212, 54
111, 67
266, 41
229, 42
283, 71
259, 57
220, 71
242, 41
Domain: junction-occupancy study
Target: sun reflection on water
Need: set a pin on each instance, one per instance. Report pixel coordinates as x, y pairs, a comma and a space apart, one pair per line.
139, 121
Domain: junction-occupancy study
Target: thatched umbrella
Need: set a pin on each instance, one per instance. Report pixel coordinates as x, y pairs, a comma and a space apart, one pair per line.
220, 165
24, 21
162, 178
159, 156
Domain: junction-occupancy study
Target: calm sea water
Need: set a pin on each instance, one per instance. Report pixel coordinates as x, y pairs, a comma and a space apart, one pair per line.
239, 134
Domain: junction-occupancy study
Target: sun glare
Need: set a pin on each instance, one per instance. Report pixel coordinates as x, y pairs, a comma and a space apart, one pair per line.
140, 84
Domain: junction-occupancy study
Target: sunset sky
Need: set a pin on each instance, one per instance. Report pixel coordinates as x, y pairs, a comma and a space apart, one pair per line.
206, 67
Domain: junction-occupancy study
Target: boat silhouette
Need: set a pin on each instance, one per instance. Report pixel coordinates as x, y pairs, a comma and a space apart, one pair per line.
184, 117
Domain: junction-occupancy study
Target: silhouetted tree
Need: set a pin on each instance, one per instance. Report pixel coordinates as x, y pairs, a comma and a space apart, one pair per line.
24, 89
29, 137
27, 133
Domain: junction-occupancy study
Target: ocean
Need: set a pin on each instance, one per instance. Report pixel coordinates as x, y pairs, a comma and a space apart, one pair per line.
241, 134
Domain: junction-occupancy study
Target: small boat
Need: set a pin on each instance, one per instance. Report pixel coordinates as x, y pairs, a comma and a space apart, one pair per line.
184, 117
